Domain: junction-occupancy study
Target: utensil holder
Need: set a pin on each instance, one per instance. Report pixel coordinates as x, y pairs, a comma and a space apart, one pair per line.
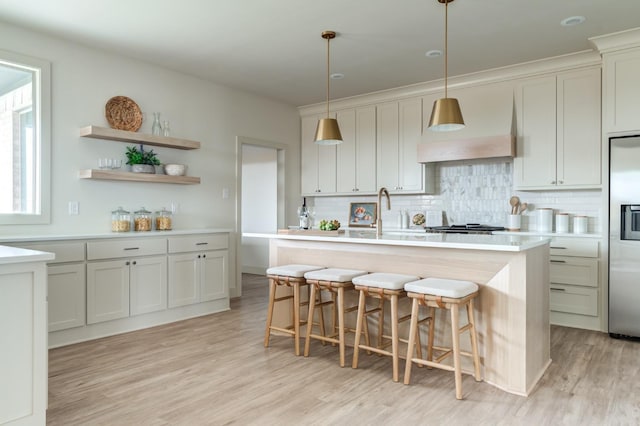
513, 222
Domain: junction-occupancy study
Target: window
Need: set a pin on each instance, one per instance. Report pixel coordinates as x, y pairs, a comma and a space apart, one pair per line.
24, 139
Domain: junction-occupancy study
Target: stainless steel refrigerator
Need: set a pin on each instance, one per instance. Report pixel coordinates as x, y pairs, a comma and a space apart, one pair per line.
624, 237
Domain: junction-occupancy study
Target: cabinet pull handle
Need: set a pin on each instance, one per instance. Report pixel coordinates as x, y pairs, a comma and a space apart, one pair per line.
557, 289
132, 248
558, 261
201, 244
558, 248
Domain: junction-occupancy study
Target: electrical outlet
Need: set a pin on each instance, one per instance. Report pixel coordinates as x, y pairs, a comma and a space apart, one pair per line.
175, 207
225, 193
74, 208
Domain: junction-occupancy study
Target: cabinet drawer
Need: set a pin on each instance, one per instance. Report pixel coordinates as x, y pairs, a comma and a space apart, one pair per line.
572, 270
65, 252
574, 247
198, 243
574, 300
125, 248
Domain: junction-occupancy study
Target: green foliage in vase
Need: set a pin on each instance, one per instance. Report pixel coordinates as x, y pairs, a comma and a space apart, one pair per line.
135, 156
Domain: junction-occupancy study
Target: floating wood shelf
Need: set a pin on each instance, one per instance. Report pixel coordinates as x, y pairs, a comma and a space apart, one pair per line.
97, 132
136, 177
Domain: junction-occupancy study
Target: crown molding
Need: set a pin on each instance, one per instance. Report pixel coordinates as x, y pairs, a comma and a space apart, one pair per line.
614, 42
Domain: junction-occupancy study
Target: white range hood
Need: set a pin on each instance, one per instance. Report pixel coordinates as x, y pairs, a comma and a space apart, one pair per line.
488, 113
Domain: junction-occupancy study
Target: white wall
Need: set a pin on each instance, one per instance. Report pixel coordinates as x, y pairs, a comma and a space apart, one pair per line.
84, 79
259, 204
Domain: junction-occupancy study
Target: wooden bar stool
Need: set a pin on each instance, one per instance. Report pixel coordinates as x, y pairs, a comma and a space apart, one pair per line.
451, 295
288, 276
336, 281
384, 287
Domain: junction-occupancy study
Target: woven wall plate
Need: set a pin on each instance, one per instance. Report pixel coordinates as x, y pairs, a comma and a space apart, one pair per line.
123, 114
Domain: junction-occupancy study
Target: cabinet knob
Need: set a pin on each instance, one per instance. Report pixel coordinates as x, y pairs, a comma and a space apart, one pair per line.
560, 182
198, 256
553, 182
127, 263
134, 262
317, 190
204, 255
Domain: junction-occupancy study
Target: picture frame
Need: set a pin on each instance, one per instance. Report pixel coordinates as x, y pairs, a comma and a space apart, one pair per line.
362, 214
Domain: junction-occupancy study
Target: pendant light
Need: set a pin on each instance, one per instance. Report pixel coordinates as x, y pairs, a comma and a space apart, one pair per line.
446, 115
328, 132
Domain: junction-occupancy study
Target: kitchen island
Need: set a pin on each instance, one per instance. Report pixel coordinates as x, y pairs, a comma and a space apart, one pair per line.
512, 312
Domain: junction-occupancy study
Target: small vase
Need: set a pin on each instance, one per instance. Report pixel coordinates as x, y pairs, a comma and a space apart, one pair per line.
156, 129
165, 129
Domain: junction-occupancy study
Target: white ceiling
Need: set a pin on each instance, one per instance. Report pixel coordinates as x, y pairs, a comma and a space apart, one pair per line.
273, 47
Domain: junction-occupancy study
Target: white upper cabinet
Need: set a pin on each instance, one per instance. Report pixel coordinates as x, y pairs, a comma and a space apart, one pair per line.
356, 156
399, 130
559, 133
317, 162
622, 91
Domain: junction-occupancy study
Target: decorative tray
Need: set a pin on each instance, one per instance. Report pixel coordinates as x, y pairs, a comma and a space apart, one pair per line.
123, 114
315, 232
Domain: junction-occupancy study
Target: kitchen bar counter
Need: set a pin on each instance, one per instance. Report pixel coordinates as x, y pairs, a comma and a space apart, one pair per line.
512, 271
106, 235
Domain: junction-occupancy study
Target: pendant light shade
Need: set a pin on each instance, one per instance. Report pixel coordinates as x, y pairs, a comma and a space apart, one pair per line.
328, 132
446, 115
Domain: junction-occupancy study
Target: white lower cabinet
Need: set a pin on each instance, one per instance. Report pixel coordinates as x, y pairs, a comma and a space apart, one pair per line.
574, 282
198, 269
148, 285
67, 298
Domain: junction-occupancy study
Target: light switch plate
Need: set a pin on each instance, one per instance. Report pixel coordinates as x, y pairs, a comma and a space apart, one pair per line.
74, 208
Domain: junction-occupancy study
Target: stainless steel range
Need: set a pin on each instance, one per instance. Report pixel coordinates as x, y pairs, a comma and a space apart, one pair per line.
469, 228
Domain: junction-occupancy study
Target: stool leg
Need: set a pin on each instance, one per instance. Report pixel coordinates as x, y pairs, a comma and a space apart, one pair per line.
432, 330
413, 329
356, 343
334, 314
474, 341
312, 307
394, 335
381, 323
341, 323
455, 339
272, 297
296, 318
321, 317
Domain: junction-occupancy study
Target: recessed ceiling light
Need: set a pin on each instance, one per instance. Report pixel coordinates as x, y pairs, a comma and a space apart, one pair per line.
337, 75
572, 20
433, 54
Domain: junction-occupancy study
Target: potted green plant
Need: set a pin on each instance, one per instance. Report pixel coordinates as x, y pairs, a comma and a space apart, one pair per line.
141, 161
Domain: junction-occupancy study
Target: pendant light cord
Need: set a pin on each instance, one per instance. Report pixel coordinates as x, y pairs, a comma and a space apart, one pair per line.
446, 45
328, 71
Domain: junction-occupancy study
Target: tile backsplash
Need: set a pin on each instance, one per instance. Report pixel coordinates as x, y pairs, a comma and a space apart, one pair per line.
474, 191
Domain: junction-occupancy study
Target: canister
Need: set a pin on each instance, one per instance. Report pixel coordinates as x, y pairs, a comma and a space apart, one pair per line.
163, 220
142, 220
120, 220
580, 224
544, 220
562, 223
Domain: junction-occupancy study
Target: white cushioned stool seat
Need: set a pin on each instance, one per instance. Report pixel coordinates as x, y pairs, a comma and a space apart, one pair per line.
296, 271
384, 280
334, 274
454, 289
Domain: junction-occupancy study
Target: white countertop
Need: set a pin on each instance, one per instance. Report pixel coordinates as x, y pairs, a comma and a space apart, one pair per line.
454, 241
133, 234
9, 255
547, 234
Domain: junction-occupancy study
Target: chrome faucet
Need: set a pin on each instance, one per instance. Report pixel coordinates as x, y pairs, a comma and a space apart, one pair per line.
384, 191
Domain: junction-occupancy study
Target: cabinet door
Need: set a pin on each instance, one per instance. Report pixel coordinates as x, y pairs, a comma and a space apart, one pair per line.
410, 172
388, 161
346, 182
579, 135
356, 157
317, 162
622, 91
148, 281
184, 282
214, 281
107, 290
535, 163
67, 299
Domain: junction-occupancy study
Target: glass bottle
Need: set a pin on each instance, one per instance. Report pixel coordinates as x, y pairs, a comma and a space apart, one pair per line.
166, 130
156, 128
303, 213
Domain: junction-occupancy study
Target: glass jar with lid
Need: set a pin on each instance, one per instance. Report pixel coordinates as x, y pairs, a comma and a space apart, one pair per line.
120, 220
163, 220
142, 220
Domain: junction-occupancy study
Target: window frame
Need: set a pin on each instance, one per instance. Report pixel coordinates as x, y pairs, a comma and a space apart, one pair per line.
41, 86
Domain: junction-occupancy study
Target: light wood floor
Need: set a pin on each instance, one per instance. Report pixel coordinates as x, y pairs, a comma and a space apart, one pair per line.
213, 370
